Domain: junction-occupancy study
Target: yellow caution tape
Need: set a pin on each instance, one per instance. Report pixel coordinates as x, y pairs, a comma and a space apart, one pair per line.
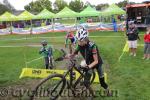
43, 73
126, 47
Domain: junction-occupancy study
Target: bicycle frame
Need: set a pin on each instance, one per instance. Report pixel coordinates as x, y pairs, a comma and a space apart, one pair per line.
71, 78
70, 82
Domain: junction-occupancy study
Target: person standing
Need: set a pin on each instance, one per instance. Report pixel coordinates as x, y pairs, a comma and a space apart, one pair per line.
147, 44
114, 24
132, 34
47, 53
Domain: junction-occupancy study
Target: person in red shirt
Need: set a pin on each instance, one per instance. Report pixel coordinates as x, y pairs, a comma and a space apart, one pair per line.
147, 44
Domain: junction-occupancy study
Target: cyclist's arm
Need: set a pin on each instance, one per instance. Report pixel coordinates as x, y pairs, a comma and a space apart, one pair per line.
66, 41
95, 62
75, 52
66, 38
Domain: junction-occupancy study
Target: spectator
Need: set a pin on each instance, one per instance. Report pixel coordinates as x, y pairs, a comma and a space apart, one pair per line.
132, 34
47, 53
147, 44
114, 24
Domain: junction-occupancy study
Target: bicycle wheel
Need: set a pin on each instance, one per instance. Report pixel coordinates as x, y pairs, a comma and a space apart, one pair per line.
81, 79
85, 90
49, 88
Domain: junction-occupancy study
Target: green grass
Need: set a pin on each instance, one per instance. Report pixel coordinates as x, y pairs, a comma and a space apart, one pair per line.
130, 76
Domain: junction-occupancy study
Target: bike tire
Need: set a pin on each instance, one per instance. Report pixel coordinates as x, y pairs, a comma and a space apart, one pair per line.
79, 84
81, 79
40, 84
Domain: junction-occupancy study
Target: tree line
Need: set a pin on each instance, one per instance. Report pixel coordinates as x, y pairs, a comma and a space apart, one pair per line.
38, 5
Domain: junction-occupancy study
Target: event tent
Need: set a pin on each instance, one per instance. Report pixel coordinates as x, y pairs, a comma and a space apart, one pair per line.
89, 11
112, 10
25, 16
45, 14
8, 17
66, 13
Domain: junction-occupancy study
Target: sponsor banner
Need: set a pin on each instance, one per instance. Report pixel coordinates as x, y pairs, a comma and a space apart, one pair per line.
43, 73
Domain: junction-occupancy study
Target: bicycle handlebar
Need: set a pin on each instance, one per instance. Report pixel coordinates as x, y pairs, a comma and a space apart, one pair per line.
72, 61
63, 56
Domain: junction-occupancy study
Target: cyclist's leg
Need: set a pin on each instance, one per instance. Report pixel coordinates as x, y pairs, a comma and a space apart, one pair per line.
101, 77
70, 48
72, 43
87, 78
102, 81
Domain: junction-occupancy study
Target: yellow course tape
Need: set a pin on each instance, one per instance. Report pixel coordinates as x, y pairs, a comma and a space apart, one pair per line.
126, 47
43, 73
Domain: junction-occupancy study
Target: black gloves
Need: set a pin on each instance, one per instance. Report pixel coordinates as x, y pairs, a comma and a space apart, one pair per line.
85, 68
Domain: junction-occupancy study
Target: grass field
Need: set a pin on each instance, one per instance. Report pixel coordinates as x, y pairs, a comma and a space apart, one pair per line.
130, 77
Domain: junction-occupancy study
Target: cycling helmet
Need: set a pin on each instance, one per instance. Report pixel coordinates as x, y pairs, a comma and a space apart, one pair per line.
44, 42
81, 34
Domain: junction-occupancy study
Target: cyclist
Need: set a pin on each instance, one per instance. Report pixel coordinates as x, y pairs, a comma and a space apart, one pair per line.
91, 55
47, 53
70, 40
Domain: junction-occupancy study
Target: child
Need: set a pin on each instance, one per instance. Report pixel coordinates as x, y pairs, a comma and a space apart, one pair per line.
92, 57
47, 53
147, 44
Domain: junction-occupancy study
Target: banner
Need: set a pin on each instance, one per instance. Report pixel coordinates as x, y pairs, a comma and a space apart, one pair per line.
43, 73
61, 28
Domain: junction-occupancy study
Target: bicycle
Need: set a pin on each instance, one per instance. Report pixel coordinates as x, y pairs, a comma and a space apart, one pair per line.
50, 85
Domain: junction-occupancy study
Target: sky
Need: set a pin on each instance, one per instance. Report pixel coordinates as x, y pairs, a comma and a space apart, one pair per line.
19, 4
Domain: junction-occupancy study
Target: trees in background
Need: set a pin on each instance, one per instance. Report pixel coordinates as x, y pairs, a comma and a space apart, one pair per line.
122, 4
37, 6
102, 6
3, 9
76, 5
6, 6
59, 5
